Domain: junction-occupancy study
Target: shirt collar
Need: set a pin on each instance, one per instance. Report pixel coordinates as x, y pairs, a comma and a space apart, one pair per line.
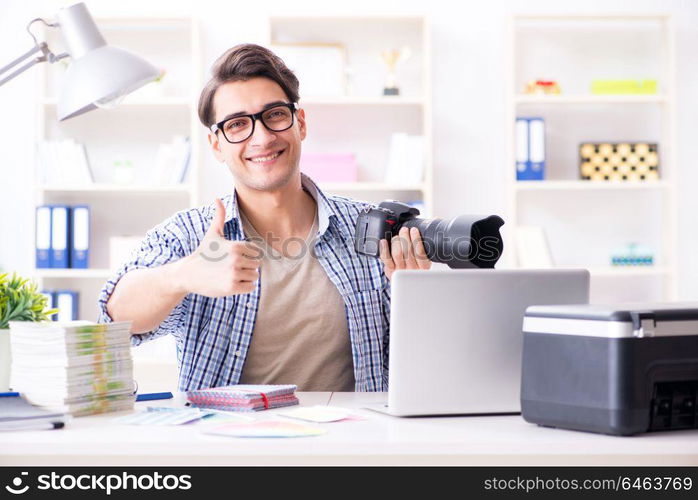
326, 212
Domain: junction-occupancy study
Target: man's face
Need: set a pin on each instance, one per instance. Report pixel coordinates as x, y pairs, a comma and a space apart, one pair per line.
267, 160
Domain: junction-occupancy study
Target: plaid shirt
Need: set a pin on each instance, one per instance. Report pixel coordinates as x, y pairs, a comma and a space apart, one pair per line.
213, 334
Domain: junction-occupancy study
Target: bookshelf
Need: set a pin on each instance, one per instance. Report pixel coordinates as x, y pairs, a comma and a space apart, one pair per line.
335, 122
586, 221
132, 131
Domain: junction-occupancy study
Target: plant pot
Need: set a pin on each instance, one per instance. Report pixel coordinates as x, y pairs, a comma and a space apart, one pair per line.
5, 360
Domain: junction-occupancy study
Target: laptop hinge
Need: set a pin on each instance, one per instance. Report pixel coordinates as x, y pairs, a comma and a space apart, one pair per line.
644, 324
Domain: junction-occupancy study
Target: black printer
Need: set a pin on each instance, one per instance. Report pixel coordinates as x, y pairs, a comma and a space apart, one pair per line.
620, 369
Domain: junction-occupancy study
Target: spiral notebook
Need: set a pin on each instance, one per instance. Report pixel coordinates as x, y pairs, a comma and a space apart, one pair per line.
244, 397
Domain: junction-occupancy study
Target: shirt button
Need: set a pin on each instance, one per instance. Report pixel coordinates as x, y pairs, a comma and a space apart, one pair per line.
249, 304
238, 354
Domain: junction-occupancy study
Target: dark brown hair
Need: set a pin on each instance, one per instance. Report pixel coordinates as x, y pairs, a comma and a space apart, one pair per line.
242, 63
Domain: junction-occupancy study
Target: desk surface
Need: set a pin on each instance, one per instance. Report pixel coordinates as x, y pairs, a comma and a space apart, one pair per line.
379, 439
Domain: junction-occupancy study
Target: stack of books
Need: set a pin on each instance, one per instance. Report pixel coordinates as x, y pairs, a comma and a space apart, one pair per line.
77, 367
244, 397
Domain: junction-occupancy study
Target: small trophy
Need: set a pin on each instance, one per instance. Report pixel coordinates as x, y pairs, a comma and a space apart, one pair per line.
391, 57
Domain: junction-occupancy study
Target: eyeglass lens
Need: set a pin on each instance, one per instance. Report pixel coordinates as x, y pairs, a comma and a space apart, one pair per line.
275, 119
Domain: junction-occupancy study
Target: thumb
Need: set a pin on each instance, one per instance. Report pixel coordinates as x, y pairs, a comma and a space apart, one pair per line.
218, 221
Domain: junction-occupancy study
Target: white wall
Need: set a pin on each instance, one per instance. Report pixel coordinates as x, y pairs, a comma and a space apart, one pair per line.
468, 71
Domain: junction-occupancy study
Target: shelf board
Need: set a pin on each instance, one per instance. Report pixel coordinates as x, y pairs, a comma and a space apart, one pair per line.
115, 188
591, 17
96, 273
588, 185
589, 99
359, 100
620, 271
368, 186
136, 101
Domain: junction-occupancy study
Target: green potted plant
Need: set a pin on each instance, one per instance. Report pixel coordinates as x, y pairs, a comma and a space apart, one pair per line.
19, 301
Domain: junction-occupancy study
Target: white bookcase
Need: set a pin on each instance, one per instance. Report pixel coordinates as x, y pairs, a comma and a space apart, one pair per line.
361, 119
586, 221
132, 131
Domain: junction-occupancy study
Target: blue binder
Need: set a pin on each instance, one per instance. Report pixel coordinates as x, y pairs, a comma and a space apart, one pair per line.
536, 148
80, 237
530, 149
43, 237
50, 301
67, 303
60, 236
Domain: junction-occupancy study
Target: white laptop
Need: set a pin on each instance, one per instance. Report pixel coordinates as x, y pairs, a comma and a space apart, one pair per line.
456, 337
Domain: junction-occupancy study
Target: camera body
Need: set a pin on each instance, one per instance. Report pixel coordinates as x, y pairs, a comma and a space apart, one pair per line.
465, 241
381, 222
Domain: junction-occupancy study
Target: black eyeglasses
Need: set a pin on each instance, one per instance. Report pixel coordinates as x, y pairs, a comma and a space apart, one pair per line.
240, 128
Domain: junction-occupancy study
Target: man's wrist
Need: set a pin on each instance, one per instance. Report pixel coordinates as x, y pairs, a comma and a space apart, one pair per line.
176, 276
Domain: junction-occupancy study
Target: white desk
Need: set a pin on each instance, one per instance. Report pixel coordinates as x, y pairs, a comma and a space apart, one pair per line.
380, 439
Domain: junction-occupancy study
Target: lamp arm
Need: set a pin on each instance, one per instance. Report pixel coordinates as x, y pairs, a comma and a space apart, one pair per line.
46, 55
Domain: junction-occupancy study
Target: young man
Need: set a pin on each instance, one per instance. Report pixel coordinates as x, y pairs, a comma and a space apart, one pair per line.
297, 306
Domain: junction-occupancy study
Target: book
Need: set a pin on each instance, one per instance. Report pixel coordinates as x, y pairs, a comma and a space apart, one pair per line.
244, 397
16, 413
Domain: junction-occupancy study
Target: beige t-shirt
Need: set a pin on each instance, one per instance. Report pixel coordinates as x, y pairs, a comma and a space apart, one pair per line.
300, 334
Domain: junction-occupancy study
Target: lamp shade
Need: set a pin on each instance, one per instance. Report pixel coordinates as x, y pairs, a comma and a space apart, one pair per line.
98, 72
102, 74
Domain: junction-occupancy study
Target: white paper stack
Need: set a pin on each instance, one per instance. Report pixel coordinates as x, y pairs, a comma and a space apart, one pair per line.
76, 367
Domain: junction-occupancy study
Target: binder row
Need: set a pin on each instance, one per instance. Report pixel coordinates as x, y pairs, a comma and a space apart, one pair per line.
62, 236
66, 301
530, 149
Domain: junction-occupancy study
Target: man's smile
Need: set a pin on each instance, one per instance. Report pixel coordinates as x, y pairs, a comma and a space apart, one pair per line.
266, 158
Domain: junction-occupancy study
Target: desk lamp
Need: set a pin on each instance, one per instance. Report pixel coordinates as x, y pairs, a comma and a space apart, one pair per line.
99, 75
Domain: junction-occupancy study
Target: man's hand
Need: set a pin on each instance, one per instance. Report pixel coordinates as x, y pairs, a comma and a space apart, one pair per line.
219, 267
405, 251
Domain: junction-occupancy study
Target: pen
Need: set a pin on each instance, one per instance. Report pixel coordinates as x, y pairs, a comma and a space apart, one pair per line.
9, 394
154, 395
34, 427
53, 425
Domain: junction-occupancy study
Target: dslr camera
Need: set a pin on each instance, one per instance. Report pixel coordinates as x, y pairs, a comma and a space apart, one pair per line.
466, 241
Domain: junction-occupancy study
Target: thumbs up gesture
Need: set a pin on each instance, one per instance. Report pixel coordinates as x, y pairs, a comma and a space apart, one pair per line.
219, 267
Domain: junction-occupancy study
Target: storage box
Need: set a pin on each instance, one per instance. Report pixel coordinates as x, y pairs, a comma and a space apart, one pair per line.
612, 369
621, 87
329, 167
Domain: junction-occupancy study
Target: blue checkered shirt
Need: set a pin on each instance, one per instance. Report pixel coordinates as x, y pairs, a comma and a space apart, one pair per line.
213, 334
